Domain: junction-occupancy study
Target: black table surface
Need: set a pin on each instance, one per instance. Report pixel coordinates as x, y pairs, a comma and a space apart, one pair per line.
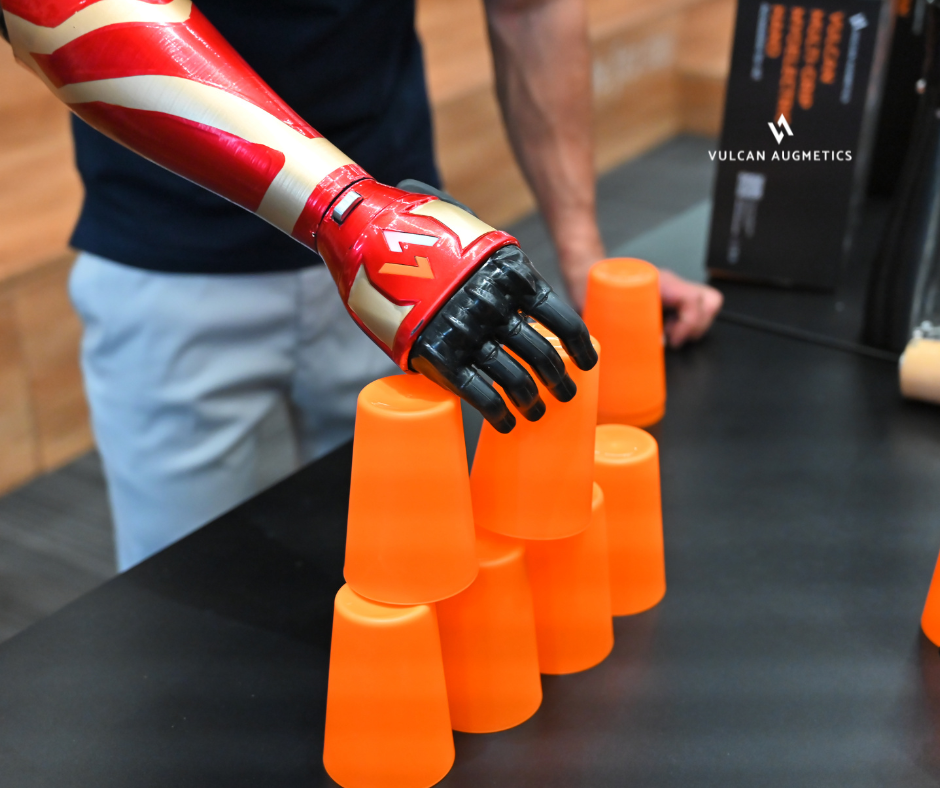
802, 519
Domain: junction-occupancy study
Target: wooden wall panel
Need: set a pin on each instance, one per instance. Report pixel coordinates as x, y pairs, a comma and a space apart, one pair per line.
702, 100
50, 332
707, 32
40, 195
475, 158
456, 48
610, 17
636, 97
703, 64
19, 454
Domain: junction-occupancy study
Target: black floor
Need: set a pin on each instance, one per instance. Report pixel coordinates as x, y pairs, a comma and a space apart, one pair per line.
55, 532
55, 543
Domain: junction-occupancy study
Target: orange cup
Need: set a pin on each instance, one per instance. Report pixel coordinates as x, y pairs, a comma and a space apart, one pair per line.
571, 590
410, 536
535, 482
624, 311
491, 661
626, 466
387, 722
930, 619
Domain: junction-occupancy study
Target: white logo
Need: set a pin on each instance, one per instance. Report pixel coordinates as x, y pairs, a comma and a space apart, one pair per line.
785, 127
395, 239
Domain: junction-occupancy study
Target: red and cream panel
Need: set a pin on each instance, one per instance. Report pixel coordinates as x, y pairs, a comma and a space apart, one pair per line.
157, 77
160, 79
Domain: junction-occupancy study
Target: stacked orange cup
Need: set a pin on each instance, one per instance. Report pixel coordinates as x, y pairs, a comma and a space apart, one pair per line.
623, 310
536, 484
410, 537
571, 591
930, 619
410, 542
488, 638
387, 718
626, 465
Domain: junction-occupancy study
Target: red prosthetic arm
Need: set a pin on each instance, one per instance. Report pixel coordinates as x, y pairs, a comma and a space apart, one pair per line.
157, 77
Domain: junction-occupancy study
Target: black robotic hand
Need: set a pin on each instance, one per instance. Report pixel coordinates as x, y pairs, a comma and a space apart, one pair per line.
464, 340
489, 310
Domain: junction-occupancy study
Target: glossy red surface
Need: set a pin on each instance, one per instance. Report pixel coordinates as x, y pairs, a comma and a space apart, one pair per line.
240, 171
361, 240
192, 50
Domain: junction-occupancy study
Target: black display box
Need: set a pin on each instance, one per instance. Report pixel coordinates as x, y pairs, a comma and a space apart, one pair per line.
800, 115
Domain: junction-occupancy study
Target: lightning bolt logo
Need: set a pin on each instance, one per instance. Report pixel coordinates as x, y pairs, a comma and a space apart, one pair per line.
784, 129
420, 271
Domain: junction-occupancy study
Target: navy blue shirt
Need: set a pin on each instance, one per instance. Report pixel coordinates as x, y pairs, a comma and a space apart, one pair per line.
351, 68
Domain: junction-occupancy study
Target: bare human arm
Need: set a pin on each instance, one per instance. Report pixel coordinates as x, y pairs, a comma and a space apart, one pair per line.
543, 82
542, 59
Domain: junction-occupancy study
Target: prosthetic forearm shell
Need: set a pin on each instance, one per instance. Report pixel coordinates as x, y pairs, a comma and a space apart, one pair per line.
160, 79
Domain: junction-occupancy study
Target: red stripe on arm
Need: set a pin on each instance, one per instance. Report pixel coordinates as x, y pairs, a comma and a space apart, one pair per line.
52, 13
239, 170
192, 50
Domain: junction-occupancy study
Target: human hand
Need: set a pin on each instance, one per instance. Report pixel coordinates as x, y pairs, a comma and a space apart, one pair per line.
693, 308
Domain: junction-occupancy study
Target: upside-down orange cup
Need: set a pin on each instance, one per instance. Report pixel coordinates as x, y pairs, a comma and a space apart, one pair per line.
930, 619
387, 720
623, 309
626, 465
410, 536
535, 482
571, 592
491, 661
